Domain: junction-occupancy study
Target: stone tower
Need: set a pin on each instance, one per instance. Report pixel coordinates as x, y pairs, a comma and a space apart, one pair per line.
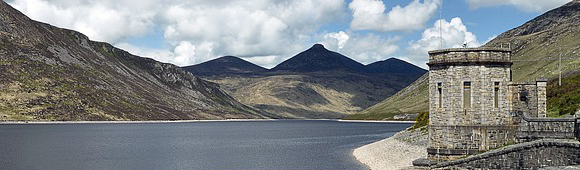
469, 101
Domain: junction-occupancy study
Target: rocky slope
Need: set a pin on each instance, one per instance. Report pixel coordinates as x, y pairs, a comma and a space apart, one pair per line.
317, 83
50, 73
536, 46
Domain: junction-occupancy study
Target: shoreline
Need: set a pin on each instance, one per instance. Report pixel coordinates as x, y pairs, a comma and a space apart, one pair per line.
132, 121
9, 122
395, 152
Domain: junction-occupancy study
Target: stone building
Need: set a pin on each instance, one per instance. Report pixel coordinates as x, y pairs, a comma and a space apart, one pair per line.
474, 105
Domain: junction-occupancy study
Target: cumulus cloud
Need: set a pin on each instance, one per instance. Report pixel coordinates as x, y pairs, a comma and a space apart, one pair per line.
524, 5
340, 37
98, 20
370, 15
194, 30
455, 35
364, 48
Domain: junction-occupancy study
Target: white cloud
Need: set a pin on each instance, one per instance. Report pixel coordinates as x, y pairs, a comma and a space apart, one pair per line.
99, 21
340, 37
266, 61
369, 15
194, 30
454, 33
184, 52
366, 48
524, 5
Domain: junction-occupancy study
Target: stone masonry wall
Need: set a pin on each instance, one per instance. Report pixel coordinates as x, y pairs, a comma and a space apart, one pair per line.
541, 93
456, 129
531, 128
529, 155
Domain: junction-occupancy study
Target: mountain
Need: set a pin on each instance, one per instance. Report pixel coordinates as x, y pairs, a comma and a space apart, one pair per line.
318, 58
316, 83
394, 66
225, 65
536, 46
50, 73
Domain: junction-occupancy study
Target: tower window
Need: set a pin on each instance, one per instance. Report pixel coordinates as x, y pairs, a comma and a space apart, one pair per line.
495, 94
466, 94
440, 97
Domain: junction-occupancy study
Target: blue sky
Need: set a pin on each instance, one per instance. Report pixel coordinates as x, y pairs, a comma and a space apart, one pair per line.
267, 32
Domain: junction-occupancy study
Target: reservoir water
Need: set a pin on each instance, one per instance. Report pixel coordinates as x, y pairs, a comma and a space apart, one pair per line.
268, 145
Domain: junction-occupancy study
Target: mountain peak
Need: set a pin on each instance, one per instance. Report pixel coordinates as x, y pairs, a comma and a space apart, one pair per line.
225, 65
318, 58
395, 66
317, 46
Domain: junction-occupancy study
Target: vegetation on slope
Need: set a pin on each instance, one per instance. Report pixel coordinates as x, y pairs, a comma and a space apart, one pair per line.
564, 100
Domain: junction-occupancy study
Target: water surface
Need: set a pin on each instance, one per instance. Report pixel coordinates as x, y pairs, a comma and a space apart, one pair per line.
284, 145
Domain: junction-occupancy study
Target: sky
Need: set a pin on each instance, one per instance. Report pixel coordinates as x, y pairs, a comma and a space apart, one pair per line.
267, 32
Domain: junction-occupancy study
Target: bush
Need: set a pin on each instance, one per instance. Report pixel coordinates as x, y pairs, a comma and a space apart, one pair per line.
421, 121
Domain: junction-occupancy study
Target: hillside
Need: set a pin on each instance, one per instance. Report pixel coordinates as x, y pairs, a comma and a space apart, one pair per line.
536, 46
564, 100
50, 73
412, 99
317, 83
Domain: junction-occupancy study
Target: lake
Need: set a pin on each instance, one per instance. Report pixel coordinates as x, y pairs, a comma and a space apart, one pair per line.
280, 145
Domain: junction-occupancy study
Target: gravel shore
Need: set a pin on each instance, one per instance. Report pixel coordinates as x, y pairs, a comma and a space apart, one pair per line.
396, 152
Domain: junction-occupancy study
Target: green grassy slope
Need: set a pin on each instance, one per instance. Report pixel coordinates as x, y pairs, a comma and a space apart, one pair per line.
564, 100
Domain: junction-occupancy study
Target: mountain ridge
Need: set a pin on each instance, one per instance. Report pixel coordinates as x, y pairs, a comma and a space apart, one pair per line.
316, 83
237, 65
50, 73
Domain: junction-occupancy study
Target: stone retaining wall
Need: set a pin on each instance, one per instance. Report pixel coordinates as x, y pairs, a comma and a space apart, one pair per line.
528, 155
533, 128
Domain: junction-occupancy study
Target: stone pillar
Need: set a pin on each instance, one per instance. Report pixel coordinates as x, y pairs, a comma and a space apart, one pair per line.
541, 92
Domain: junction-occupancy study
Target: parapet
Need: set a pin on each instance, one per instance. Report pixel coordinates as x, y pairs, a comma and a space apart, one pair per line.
482, 55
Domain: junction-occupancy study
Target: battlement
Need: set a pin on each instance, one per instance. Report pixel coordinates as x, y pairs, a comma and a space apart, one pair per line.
457, 56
